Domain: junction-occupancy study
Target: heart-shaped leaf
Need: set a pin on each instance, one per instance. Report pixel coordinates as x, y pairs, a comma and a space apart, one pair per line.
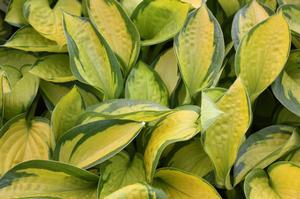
22, 140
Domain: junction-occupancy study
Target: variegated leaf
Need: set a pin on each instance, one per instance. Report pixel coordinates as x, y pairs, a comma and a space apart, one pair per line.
286, 88
143, 83
263, 148
262, 54
200, 66
175, 127
91, 59
246, 18
223, 138
90, 144
159, 20
48, 179
22, 140
118, 30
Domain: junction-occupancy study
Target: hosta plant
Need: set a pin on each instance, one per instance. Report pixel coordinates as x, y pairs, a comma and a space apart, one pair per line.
138, 99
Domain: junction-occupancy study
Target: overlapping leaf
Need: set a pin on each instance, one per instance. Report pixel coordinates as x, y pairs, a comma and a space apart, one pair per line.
178, 184
90, 144
200, 66
246, 18
118, 30
67, 112
136, 110
48, 21
24, 87
53, 68
263, 148
282, 181
167, 68
143, 83
262, 54
224, 137
14, 13
178, 126
159, 20
197, 163
91, 59
286, 88
48, 179
22, 140
138, 190
120, 171
28, 39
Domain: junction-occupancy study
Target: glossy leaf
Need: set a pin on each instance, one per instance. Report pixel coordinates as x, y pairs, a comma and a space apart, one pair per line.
262, 54
264, 147
143, 83
90, 144
118, 30
200, 66
159, 20
22, 140
120, 171
178, 184
48, 179
53, 68
178, 126
92, 61
222, 139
